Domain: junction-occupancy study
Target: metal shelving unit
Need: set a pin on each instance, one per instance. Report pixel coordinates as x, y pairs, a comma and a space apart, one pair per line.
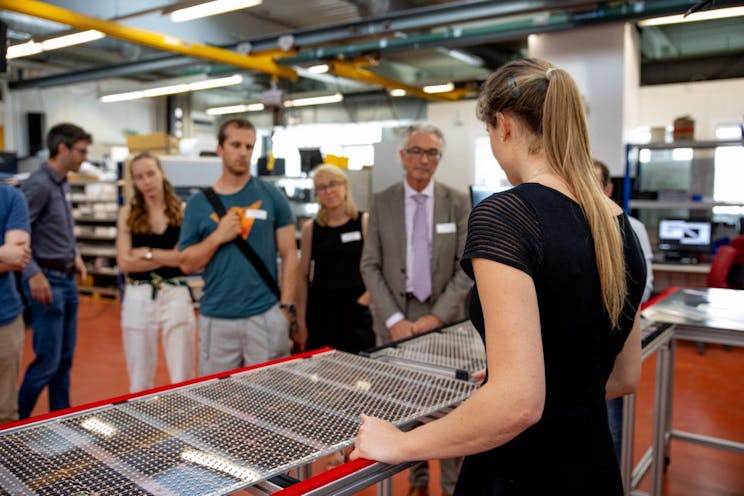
95, 208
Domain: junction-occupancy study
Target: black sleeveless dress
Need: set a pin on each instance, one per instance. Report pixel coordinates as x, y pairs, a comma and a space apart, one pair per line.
334, 318
569, 451
166, 241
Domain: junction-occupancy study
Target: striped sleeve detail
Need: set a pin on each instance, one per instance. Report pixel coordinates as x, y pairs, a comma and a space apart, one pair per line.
504, 229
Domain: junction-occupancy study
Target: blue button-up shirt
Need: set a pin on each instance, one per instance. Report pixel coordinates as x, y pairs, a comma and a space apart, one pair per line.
50, 213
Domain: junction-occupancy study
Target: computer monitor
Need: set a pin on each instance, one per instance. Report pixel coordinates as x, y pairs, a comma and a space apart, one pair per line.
479, 193
309, 158
276, 170
679, 238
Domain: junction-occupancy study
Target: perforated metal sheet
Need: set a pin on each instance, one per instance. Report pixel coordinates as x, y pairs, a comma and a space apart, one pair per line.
218, 436
457, 349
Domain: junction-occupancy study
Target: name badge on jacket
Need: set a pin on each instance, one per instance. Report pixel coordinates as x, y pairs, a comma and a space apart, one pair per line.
446, 228
350, 236
256, 214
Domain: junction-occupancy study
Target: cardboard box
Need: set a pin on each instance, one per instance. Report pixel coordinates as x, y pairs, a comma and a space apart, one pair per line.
684, 128
154, 142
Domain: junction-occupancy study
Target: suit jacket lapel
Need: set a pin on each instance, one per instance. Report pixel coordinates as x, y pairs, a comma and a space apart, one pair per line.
397, 213
441, 215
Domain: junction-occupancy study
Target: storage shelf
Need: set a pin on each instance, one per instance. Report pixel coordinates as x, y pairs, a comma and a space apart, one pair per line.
95, 215
78, 198
99, 290
663, 145
103, 237
104, 271
94, 218
95, 251
682, 204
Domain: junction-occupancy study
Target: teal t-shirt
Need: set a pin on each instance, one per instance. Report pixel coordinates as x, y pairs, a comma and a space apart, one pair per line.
232, 287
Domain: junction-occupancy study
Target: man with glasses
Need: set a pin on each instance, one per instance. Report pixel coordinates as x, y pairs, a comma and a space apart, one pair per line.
411, 263
49, 278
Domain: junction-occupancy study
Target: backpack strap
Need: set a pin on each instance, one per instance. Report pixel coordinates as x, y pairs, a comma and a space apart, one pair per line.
245, 248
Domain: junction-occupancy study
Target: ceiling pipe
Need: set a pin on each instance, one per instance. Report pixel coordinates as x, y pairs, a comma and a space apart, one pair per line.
263, 64
414, 18
410, 19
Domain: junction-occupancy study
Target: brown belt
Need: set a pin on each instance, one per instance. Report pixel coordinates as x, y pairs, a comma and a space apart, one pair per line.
58, 265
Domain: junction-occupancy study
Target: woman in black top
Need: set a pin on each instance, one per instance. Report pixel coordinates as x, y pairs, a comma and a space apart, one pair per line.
332, 302
156, 300
559, 278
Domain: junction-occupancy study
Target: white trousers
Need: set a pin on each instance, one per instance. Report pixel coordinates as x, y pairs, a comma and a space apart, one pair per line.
171, 316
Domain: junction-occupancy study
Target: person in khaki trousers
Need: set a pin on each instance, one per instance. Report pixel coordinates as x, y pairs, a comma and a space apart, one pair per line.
15, 253
411, 263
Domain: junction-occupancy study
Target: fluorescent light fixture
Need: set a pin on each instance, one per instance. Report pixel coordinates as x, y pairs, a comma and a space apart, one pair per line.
318, 69
121, 97
439, 88
32, 47
463, 57
211, 8
165, 90
236, 109
397, 92
24, 50
173, 89
208, 84
707, 15
314, 100
72, 39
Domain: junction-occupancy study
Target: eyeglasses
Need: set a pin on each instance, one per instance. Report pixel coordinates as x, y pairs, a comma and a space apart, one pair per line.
81, 151
431, 153
321, 188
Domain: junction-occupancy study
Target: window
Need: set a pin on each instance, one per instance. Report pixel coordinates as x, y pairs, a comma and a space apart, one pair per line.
729, 172
487, 171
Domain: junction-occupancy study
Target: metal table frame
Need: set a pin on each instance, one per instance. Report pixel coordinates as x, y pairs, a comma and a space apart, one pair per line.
724, 331
658, 340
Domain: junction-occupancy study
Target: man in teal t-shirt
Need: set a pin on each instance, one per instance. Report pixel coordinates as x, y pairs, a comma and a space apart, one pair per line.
241, 322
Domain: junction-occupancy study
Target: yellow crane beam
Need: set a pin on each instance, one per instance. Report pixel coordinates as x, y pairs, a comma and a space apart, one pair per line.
352, 70
259, 63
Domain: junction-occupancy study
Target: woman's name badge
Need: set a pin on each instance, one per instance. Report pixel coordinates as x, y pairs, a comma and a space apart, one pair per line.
350, 236
446, 228
256, 214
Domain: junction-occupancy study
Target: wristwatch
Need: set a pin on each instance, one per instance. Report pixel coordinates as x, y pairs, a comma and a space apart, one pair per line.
288, 307
148, 254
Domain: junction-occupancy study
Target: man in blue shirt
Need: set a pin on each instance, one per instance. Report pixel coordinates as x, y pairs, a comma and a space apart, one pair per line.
15, 252
50, 274
240, 322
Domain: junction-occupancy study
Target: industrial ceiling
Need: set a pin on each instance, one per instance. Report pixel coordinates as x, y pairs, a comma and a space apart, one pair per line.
370, 45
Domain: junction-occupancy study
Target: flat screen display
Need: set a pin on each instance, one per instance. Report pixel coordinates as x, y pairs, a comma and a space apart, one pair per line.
684, 235
480, 193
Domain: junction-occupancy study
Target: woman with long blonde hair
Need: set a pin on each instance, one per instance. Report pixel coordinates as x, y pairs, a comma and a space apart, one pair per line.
157, 302
558, 283
332, 302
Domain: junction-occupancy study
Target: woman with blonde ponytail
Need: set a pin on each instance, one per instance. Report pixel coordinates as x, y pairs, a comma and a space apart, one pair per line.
559, 278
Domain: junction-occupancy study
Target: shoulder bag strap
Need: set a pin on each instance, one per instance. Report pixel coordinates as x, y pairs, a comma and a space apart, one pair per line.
242, 244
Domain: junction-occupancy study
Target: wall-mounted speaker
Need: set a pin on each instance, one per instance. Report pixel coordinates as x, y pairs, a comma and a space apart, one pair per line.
3, 47
35, 124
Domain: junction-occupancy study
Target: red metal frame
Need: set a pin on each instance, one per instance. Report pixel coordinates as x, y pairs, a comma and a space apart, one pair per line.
127, 397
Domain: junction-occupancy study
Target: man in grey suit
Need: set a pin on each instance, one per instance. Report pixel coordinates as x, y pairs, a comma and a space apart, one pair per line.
411, 262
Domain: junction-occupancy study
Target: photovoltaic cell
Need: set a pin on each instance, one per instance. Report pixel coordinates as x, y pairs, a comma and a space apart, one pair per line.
218, 436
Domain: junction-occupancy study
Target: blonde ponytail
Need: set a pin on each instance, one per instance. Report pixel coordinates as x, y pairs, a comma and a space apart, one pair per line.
547, 100
566, 145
